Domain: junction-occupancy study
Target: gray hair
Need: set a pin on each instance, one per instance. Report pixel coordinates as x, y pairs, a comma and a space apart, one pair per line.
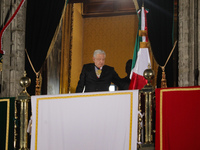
99, 51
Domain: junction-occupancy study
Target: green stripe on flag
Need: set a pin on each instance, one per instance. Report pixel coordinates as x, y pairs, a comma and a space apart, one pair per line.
137, 44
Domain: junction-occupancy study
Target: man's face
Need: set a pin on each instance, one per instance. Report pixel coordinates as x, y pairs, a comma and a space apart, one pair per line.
99, 60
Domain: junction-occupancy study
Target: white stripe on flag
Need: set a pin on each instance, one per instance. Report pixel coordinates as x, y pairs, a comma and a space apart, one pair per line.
142, 62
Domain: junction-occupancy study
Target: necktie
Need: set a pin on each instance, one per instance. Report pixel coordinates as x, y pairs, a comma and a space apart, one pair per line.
98, 72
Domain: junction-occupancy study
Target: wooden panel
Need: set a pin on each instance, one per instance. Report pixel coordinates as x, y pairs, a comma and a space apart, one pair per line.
99, 7
107, 7
126, 6
75, 1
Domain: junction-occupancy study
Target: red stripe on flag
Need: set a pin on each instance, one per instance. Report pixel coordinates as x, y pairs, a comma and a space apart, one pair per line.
146, 25
137, 82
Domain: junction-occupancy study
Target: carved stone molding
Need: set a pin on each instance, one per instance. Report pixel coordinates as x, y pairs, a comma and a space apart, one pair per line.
13, 43
188, 42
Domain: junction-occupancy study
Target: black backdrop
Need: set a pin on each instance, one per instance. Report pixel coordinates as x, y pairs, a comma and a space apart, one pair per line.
42, 18
160, 20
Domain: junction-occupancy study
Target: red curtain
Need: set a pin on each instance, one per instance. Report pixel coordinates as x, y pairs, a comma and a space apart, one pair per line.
177, 118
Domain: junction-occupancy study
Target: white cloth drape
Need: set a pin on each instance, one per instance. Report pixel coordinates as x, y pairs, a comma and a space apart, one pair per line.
89, 121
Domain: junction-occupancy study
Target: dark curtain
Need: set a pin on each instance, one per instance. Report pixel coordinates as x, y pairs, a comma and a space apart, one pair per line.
42, 18
160, 31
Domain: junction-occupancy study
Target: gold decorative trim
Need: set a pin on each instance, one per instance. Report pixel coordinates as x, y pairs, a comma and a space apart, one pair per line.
7, 121
66, 50
131, 114
161, 108
144, 45
142, 32
91, 95
57, 31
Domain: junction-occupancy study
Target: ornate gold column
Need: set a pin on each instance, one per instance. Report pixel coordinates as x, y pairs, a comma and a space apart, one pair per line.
145, 116
22, 115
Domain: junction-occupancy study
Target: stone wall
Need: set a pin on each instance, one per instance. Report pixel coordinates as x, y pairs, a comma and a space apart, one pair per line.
189, 51
13, 43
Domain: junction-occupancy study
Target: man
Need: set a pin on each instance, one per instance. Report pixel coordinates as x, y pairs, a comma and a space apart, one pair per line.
97, 76
127, 79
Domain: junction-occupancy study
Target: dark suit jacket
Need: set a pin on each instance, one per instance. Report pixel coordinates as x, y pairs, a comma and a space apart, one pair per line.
89, 79
126, 80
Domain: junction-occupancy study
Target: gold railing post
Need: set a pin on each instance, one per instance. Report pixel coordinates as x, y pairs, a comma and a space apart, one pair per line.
140, 127
22, 114
145, 106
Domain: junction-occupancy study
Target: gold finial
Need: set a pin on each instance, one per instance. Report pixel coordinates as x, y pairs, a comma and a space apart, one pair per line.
149, 75
142, 3
25, 73
149, 66
25, 82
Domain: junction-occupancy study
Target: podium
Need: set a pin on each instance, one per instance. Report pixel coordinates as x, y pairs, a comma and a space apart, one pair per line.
177, 118
88, 121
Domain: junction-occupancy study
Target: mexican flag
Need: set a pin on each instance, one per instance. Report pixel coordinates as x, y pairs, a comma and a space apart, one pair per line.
141, 59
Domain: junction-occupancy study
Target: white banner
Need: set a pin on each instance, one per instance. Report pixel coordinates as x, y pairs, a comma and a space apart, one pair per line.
89, 121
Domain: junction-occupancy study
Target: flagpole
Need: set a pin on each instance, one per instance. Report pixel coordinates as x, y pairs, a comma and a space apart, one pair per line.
142, 3
140, 71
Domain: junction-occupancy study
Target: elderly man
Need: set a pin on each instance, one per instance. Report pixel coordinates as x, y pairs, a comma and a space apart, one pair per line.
97, 76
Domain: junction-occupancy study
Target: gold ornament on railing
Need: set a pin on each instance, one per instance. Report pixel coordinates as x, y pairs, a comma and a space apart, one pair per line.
145, 115
22, 114
163, 80
37, 86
